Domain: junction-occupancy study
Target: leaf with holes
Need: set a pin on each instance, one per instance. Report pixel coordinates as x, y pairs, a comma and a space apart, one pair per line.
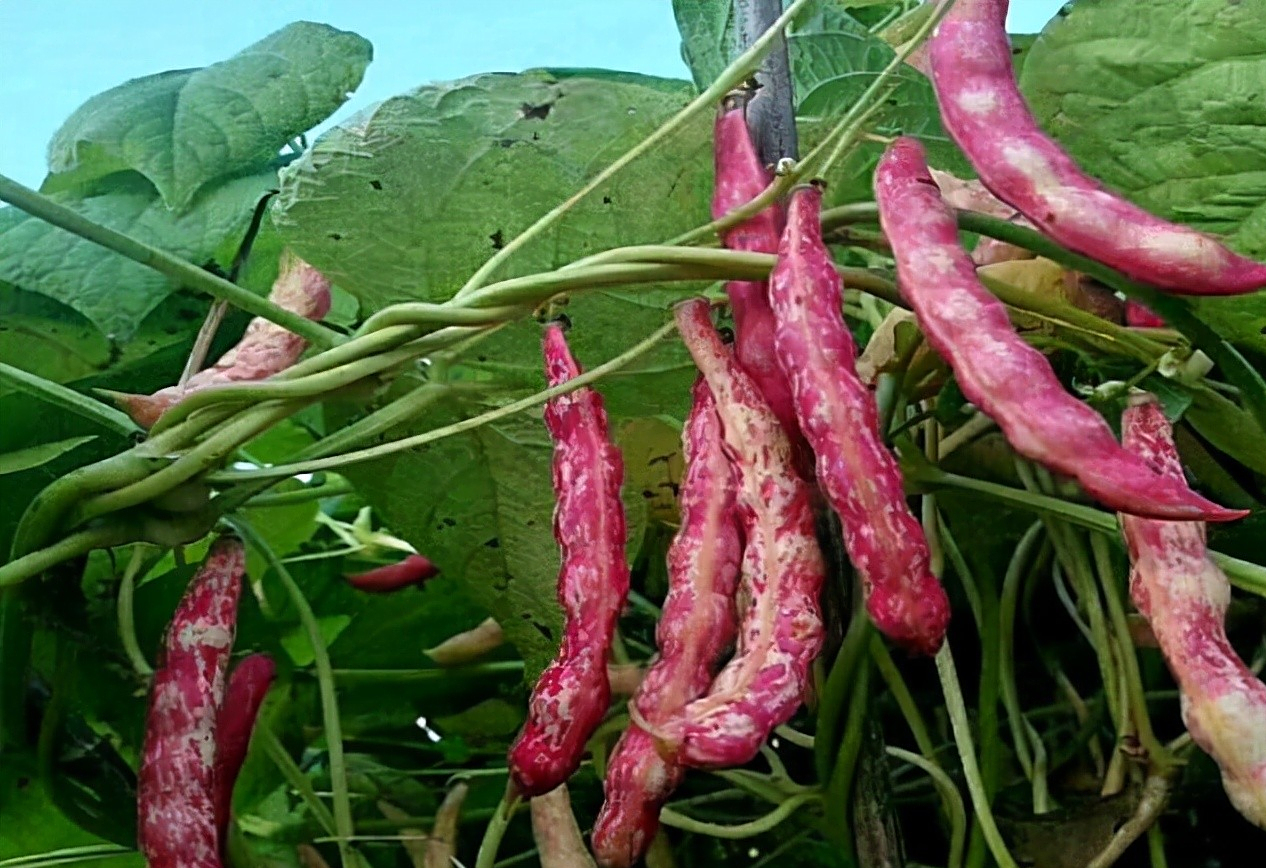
404, 201
184, 129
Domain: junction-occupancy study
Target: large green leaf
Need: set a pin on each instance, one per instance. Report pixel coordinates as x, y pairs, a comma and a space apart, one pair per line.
186, 128
115, 294
1162, 101
38, 333
405, 200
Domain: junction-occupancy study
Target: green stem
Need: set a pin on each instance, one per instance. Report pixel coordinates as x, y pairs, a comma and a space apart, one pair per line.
901, 695
295, 777
967, 753
334, 488
68, 399
325, 684
1157, 755
184, 273
835, 693
335, 461
1243, 574
126, 614
451, 674
738, 831
742, 66
839, 790
949, 795
1007, 611
20, 569
496, 830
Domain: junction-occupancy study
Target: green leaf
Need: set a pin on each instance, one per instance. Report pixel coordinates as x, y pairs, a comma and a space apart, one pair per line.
1163, 104
37, 456
115, 294
707, 37
295, 640
405, 200
40, 334
184, 129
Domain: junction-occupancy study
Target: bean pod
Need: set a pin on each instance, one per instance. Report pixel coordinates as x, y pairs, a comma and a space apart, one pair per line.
985, 114
248, 685
1007, 379
176, 798
782, 570
696, 627
1184, 596
572, 694
840, 420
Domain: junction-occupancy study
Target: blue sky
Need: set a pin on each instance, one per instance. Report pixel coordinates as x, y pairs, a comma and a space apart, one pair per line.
53, 56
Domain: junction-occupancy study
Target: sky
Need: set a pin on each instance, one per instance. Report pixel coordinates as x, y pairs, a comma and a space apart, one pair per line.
54, 56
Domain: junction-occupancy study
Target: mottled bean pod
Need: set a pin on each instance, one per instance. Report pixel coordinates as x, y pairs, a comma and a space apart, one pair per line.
572, 694
983, 111
1184, 596
740, 178
782, 570
840, 420
1007, 379
696, 627
177, 798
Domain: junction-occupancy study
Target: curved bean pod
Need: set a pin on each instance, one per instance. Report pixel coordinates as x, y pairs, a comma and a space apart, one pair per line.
1184, 596
782, 571
985, 114
248, 685
696, 627
572, 694
839, 418
1007, 379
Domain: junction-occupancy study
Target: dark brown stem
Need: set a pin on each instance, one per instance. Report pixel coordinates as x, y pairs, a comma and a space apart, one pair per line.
771, 115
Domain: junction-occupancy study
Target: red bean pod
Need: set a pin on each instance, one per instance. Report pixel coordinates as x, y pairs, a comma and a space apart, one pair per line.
176, 798
1010, 381
782, 571
1184, 596
840, 420
740, 178
1140, 316
572, 694
411, 570
248, 685
985, 114
696, 627
265, 349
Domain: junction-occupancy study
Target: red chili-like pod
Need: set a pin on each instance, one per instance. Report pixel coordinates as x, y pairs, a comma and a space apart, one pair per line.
248, 685
265, 349
1010, 381
176, 798
412, 570
985, 114
782, 571
696, 627
1140, 316
840, 420
572, 694
740, 178
1184, 596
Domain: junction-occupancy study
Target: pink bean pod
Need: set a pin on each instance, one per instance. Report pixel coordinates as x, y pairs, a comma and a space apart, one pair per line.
696, 627
840, 420
264, 350
248, 685
985, 114
408, 571
572, 694
782, 571
740, 178
176, 786
1010, 381
1184, 596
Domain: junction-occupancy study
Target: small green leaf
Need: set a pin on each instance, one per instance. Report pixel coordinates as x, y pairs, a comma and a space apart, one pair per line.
37, 456
184, 129
296, 643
